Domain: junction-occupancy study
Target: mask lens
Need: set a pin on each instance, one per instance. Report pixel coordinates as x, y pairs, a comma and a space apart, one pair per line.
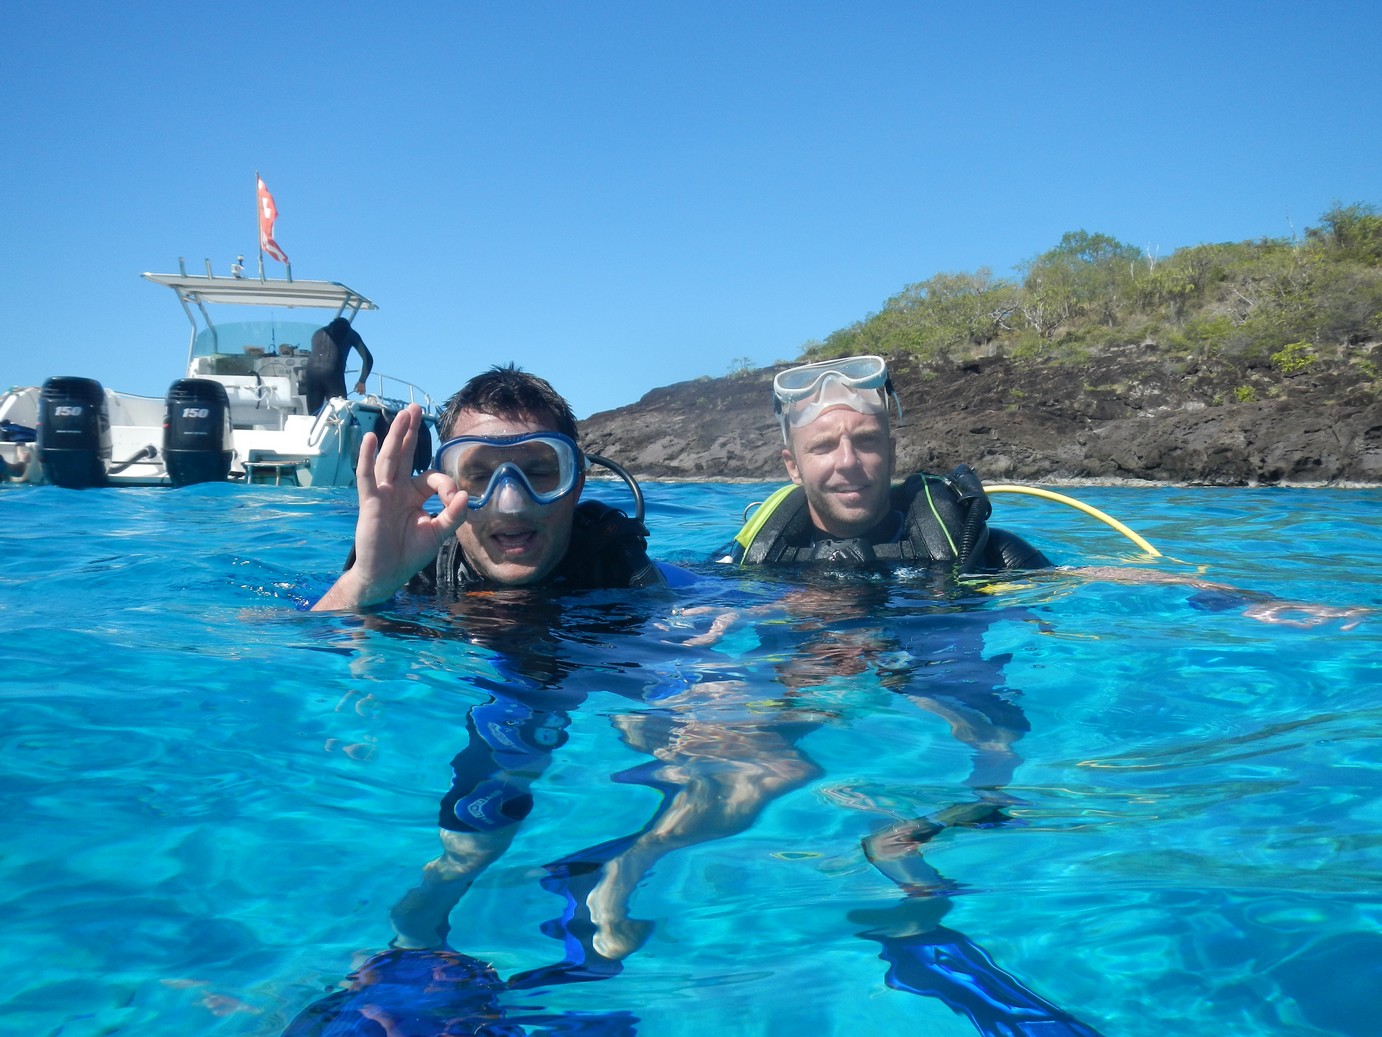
545, 464
858, 372
834, 393
802, 394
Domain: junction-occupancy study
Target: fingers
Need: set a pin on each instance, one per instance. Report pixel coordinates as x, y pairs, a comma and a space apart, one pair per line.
396, 454
454, 511
365, 485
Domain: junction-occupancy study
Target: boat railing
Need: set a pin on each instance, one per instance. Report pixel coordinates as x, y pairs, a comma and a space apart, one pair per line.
398, 393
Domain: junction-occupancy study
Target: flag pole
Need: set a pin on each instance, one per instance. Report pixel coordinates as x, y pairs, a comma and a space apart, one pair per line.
257, 235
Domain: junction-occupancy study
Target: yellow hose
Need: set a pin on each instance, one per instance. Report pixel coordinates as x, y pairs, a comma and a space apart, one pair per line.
1080, 505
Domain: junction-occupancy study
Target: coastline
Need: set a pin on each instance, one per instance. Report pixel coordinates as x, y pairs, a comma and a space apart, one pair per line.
1127, 417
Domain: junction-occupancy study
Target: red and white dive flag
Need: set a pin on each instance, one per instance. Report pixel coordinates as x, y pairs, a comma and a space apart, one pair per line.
268, 213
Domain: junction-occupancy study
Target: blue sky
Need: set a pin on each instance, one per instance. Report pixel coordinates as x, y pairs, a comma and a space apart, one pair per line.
619, 196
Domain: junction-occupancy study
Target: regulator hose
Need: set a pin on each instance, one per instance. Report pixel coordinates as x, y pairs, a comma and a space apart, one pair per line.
629, 480
1079, 505
977, 510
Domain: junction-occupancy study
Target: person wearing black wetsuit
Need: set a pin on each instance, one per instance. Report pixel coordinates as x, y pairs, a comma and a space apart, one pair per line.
510, 477
844, 512
719, 760
324, 375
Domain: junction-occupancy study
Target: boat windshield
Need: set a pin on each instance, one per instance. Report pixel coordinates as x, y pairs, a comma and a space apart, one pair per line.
256, 337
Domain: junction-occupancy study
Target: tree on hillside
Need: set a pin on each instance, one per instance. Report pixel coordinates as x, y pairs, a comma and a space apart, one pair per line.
1086, 274
951, 310
1352, 233
1247, 298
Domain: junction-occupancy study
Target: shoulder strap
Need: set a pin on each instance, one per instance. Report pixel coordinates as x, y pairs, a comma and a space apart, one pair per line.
1009, 551
946, 520
933, 520
778, 530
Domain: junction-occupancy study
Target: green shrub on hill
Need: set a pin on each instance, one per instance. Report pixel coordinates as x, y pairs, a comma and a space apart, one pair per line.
1244, 301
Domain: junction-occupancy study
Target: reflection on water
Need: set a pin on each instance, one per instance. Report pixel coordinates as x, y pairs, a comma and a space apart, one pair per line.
845, 806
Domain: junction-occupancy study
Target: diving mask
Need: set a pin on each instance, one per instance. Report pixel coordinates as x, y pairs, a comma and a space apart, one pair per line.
802, 394
545, 465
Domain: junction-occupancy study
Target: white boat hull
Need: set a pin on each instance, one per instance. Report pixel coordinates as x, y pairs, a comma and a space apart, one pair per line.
283, 448
261, 432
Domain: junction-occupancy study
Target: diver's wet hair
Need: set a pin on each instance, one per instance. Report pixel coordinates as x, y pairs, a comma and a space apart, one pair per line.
507, 392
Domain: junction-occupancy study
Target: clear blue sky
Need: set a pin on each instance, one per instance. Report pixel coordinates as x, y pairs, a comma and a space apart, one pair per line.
623, 195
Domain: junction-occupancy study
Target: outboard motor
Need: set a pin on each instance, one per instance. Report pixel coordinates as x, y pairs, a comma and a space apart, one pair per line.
197, 444
73, 432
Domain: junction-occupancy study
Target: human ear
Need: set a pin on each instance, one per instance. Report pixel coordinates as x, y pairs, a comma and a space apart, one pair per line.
790, 463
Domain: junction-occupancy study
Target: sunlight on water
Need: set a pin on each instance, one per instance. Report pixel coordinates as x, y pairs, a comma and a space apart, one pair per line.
214, 798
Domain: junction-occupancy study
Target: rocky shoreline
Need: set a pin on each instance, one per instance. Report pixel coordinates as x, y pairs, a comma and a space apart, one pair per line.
1126, 416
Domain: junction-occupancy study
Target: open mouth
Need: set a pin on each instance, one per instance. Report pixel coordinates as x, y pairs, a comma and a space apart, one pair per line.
514, 543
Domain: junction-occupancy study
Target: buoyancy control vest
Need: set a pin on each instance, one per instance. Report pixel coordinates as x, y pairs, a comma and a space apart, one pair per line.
607, 549
944, 520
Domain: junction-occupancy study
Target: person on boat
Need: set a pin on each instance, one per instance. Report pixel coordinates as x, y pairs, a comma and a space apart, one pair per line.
324, 375
509, 477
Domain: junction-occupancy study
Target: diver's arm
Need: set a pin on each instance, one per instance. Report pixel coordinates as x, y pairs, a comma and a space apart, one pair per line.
394, 535
1214, 597
366, 360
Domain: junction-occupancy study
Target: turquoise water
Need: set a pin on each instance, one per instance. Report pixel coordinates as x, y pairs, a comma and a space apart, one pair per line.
212, 798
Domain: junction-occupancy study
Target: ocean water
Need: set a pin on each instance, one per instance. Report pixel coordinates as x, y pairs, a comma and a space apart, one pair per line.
212, 798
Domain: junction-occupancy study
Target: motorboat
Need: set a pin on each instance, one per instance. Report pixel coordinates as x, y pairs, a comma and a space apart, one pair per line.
240, 413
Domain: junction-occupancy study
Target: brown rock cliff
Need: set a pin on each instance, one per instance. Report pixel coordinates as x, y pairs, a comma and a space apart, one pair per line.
1127, 414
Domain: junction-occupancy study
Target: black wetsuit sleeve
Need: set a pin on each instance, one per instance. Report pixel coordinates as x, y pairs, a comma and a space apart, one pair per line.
1009, 551
366, 358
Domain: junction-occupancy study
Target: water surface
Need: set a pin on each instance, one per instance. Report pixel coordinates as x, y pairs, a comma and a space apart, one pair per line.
212, 798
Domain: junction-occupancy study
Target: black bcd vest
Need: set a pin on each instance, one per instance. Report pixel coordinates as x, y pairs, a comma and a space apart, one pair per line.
945, 520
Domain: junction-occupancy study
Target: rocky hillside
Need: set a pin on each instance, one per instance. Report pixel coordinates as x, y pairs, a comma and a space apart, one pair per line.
1129, 414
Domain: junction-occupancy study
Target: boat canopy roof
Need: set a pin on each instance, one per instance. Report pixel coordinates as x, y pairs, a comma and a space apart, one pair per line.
252, 291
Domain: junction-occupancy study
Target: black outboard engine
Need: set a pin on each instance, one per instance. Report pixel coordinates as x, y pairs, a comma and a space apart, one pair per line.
73, 432
197, 444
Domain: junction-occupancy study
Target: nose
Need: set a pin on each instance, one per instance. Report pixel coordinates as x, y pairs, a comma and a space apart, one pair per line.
510, 497
845, 454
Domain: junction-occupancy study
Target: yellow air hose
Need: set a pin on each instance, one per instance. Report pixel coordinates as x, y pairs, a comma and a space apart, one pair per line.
1080, 505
